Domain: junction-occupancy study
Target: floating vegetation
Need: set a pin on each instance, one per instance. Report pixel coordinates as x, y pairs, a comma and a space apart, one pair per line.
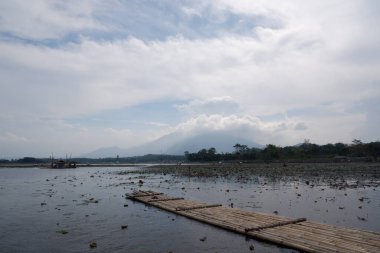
336, 175
93, 245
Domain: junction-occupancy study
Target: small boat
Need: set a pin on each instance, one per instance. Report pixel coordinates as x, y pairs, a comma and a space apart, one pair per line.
61, 164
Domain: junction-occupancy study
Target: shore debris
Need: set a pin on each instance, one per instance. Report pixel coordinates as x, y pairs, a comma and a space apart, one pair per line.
63, 232
203, 239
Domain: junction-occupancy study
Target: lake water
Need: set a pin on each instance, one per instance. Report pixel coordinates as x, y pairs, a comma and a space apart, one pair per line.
38, 207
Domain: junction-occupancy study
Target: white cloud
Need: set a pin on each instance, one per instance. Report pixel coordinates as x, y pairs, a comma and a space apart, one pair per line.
332, 129
13, 144
324, 54
156, 124
213, 105
262, 75
12, 138
118, 132
44, 19
300, 126
319, 129
244, 126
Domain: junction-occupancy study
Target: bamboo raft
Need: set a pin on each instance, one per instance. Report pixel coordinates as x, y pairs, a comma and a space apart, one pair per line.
294, 233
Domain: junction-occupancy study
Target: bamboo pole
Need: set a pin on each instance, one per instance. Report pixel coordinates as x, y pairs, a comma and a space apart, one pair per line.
143, 195
275, 224
196, 207
166, 199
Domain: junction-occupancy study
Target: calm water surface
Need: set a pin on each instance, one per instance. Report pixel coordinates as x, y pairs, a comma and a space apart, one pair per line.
36, 205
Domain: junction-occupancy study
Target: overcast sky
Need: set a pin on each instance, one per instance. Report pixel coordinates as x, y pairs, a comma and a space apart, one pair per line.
79, 75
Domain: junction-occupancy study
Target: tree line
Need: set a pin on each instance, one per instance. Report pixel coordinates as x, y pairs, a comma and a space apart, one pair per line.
357, 150
149, 158
306, 150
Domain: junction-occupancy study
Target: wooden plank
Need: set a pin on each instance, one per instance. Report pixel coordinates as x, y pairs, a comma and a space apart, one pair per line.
165, 199
196, 207
294, 233
335, 244
325, 240
143, 195
283, 223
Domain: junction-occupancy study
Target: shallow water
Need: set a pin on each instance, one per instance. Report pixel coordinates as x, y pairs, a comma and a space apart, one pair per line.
36, 205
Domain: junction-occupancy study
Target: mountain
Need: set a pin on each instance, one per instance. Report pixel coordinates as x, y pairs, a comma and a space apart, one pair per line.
105, 152
221, 142
177, 144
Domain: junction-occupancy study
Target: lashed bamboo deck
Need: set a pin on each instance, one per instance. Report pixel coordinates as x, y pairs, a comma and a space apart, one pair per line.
294, 233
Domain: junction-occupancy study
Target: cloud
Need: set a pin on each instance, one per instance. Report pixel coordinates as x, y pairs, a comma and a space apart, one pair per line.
226, 64
63, 21
43, 19
12, 138
264, 76
213, 105
341, 128
244, 126
13, 144
117, 132
156, 124
300, 126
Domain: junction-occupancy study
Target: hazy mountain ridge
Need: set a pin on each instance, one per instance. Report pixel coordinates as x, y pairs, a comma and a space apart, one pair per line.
176, 144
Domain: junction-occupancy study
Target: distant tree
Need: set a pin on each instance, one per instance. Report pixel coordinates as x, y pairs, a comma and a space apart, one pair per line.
305, 150
328, 149
237, 147
203, 154
357, 148
341, 149
373, 149
211, 151
241, 149
28, 160
252, 154
271, 152
290, 151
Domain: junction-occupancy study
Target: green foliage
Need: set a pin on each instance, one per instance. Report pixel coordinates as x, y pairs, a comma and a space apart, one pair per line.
271, 152
150, 158
306, 150
203, 155
29, 160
